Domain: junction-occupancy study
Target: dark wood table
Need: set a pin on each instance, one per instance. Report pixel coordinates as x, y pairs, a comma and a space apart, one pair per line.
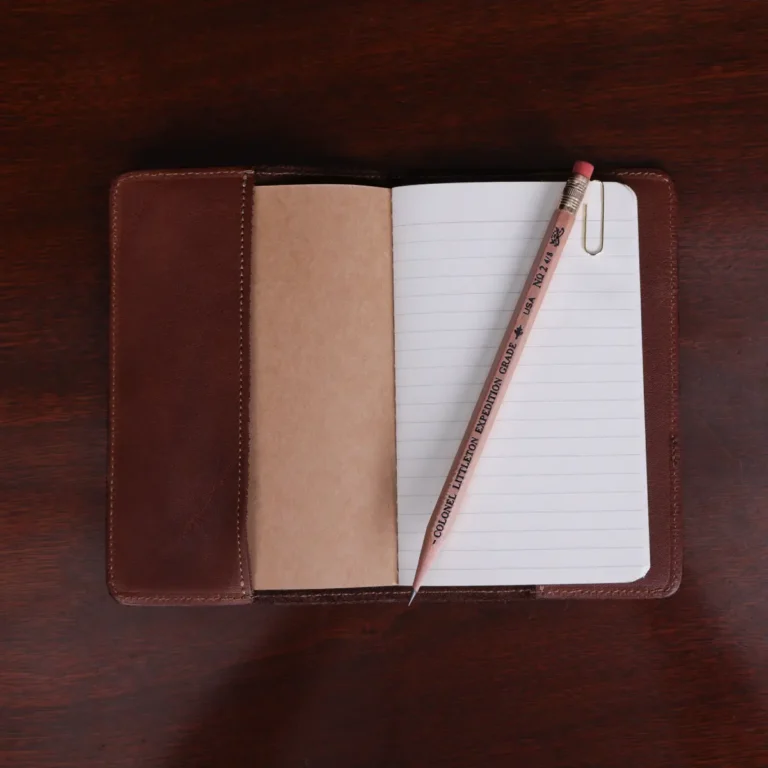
91, 89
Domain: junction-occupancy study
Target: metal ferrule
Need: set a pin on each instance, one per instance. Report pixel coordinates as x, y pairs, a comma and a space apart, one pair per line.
573, 194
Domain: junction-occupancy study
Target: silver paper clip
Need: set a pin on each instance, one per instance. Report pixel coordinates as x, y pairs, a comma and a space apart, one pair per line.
602, 223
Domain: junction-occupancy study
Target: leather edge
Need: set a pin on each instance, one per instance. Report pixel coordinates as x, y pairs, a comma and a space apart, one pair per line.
118, 593
244, 387
392, 594
134, 599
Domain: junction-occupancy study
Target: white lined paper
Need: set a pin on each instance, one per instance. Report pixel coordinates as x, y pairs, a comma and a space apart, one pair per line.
461, 255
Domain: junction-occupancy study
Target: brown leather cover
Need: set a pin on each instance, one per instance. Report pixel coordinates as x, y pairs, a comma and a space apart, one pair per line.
179, 411
179, 383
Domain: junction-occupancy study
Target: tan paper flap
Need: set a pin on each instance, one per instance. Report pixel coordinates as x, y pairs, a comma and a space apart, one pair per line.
322, 458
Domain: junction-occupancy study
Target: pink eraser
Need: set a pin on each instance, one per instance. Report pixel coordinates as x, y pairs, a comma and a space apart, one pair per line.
583, 168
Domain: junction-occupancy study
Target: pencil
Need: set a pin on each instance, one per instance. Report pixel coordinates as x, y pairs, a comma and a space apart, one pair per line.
457, 482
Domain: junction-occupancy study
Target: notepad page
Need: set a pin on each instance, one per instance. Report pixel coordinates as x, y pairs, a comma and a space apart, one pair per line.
559, 495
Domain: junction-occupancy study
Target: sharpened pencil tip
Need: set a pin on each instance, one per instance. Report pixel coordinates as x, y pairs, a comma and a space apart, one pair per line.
413, 596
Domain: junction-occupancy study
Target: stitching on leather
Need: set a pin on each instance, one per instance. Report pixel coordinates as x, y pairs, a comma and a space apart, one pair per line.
390, 595
675, 527
240, 386
113, 387
173, 174
129, 598
674, 415
329, 597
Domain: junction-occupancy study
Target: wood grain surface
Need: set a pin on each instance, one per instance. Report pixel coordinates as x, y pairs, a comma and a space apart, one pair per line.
91, 89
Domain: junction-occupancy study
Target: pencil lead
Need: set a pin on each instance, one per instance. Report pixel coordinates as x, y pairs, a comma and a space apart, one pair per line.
413, 596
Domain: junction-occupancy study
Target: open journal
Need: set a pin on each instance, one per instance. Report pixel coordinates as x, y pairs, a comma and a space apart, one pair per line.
375, 315
294, 355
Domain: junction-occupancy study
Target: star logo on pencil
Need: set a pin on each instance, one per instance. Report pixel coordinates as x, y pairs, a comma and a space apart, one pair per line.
518, 331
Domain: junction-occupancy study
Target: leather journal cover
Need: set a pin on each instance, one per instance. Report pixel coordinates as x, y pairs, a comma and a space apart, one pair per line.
251, 444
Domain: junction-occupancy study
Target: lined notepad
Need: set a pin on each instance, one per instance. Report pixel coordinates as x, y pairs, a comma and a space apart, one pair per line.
461, 255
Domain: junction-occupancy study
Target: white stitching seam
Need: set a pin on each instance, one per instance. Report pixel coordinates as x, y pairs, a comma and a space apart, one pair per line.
127, 596
241, 342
